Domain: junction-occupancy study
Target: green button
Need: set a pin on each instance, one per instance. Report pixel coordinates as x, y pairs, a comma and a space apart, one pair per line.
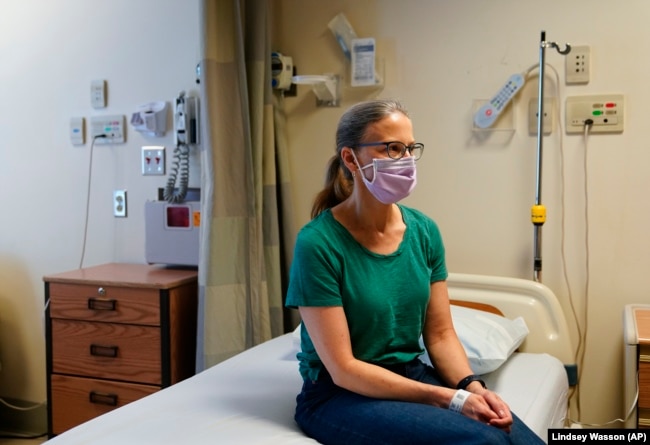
597, 112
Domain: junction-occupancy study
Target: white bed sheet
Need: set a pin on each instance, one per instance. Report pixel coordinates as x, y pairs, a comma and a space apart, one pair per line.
250, 399
536, 388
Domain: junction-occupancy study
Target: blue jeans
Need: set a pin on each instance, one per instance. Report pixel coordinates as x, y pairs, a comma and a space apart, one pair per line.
333, 415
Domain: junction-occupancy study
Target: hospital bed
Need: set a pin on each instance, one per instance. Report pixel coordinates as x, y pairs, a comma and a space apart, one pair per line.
250, 398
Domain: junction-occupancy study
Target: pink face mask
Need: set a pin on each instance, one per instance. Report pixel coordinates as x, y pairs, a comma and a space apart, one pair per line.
392, 180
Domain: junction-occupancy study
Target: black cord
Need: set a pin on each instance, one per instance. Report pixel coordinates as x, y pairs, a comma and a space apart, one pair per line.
90, 175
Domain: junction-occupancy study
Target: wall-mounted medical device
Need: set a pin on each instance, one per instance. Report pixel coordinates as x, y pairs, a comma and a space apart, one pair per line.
359, 52
281, 71
172, 232
186, 119
604, 112
186, 135
151, 119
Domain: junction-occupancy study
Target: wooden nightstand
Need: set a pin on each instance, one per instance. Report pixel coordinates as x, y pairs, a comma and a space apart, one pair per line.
636, 333
115, 333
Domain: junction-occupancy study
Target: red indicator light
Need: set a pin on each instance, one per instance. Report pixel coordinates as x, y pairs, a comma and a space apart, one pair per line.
610, 105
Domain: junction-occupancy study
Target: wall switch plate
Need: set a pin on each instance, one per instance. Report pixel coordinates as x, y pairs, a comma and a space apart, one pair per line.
153, 160
549, 115
119, 203
77, 131
606, 112
578, 65
98, 93
107, 129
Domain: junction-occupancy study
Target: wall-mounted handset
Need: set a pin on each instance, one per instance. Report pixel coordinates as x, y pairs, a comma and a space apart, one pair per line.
186, 135
186, 114
490, 111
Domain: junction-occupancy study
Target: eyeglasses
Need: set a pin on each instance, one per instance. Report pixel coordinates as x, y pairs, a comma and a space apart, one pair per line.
397, 149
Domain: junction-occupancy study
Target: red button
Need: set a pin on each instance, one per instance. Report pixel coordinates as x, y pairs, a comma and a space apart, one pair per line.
610, 104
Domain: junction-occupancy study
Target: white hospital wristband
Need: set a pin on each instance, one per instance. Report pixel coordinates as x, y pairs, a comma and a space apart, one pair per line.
458, 401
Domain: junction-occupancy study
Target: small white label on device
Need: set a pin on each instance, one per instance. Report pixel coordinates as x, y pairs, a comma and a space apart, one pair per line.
363, 62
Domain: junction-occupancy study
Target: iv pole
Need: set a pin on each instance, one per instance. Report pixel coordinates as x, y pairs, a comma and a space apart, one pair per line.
538, 211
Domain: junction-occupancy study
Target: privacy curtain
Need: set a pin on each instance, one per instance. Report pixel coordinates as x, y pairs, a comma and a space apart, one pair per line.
244, 183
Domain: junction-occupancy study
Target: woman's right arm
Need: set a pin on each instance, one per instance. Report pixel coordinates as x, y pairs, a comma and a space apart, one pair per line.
328, 329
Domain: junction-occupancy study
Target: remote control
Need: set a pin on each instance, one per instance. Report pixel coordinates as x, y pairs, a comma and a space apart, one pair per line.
488, 113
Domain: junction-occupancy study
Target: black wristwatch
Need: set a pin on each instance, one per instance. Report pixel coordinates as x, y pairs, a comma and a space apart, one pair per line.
469, 379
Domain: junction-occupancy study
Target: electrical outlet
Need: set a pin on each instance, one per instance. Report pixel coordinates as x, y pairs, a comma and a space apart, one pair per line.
119, 203
578, 65
605, 111
153, 160
549, 115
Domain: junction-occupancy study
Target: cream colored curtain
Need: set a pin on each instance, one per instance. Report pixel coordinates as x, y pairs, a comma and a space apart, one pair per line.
244, 180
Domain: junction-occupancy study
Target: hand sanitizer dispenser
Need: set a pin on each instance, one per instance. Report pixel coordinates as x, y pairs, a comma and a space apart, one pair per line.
151, 118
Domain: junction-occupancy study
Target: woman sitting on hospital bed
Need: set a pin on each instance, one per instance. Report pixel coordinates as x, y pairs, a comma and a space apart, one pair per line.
368, 278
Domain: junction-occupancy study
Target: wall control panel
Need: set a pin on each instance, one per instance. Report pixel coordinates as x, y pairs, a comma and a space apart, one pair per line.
606, 112
107, 129
98, 93
77, 130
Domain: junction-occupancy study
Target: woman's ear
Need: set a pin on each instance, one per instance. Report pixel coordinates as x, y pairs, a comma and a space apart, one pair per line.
347, 157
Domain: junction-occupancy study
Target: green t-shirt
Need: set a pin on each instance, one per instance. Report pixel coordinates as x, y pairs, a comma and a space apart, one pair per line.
384, 296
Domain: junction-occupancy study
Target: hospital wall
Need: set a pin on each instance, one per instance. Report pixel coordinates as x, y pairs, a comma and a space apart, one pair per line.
50, 51
437, 56
440, 57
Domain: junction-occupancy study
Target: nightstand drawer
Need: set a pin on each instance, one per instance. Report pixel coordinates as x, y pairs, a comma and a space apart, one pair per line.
76, 400
107, 350
105, 303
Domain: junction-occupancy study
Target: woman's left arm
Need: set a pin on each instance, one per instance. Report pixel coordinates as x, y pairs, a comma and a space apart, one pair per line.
448, 355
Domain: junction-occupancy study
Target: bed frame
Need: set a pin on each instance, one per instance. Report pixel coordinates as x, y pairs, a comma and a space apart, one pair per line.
250, 398
515, 297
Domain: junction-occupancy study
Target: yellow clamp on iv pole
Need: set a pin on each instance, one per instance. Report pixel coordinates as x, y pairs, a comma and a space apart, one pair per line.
538, 218
538, 215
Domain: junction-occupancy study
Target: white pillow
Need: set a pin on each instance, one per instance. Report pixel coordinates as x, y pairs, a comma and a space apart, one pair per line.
295, 336
488, 339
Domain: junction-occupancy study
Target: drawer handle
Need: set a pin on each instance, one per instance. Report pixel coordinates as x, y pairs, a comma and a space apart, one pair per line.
101, 398
101, 304
103, 351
